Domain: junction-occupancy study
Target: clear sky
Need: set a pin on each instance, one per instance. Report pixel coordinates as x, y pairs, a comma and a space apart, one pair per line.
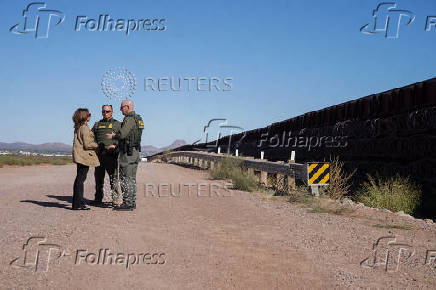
285, 58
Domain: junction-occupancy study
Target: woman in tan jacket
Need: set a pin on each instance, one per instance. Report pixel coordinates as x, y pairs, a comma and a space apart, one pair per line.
84, 154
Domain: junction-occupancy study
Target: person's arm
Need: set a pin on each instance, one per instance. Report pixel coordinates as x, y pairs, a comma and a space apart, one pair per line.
116, 129
88, 138
128, 124
94, 128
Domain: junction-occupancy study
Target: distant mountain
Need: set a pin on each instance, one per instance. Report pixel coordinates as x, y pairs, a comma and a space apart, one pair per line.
151, 150
13, 146
61, 147
175, 144
52, 147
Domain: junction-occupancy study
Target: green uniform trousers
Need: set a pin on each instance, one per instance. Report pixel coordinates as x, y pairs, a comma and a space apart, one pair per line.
128, 167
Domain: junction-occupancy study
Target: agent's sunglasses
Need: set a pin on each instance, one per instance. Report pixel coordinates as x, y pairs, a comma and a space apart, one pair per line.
105, 112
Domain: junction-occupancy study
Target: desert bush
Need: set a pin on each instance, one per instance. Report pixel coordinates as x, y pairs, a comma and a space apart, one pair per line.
232, 168
396, 194
225, 168
339, 180
243, 180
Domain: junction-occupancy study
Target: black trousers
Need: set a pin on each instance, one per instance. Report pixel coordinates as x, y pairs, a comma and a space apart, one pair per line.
109, 164
78, 188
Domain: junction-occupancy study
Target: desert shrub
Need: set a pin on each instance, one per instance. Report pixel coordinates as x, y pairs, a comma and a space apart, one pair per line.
232, 168
339, 180
396, 194
224, 169
243, 180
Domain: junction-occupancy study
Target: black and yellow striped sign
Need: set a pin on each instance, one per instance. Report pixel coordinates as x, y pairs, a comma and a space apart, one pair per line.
318, 173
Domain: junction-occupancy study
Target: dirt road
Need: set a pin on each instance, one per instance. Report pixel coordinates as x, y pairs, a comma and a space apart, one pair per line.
207, 237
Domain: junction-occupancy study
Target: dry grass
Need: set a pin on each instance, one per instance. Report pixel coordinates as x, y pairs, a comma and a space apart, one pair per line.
396, 194
339, 180
20, 160
231, 168
399, 227
318, 204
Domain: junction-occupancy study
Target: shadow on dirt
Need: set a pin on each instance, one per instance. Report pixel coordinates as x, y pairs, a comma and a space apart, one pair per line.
48, 204
63, 198
66, 198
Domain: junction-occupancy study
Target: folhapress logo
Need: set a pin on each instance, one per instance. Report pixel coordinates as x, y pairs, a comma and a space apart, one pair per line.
37, 255
387, 20
210, 131
37, 20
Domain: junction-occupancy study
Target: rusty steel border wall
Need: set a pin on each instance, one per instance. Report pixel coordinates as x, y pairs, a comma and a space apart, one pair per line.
389, 133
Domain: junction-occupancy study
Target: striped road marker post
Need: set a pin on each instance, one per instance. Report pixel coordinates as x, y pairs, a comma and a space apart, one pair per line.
318, 174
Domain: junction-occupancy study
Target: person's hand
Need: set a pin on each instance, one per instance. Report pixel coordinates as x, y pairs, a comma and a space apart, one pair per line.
111, 147
100, 147
110, 136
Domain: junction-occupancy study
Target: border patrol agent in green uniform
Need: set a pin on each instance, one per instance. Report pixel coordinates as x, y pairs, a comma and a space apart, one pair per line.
130, 147
108, 156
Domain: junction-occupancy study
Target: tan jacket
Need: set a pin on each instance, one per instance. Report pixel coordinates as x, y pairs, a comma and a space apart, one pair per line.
83, 147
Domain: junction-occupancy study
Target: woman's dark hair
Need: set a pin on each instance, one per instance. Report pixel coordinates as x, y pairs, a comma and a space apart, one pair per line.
80, 116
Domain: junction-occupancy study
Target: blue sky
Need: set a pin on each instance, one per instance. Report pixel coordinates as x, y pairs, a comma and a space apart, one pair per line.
285, 57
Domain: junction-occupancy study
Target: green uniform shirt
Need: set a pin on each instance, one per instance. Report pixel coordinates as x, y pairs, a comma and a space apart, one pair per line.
103, 127
129, 124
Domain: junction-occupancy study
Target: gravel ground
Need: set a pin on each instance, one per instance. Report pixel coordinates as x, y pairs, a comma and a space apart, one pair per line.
211, 239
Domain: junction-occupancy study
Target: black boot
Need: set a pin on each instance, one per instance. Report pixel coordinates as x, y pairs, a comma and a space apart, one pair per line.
123, 207
82, 207
96, 203
99, 204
